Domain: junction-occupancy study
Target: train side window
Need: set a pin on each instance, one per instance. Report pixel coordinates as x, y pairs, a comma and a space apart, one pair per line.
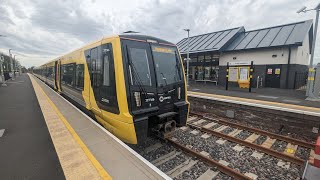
68, 74
80, 76
106, 70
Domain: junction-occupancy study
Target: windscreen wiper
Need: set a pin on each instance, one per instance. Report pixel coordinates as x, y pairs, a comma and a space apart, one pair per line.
164, 78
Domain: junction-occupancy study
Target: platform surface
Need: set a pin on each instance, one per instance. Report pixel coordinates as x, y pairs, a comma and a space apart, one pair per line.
270, 98
26, 148
117, 159
43, 136
285, 96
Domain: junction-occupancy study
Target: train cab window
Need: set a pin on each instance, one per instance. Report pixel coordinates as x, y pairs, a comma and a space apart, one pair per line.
106, 71
80, 76
139, 67
68, 74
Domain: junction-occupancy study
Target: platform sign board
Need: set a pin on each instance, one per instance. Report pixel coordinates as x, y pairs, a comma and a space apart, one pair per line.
277, 71
269, 71
233, 74
244, 73
240, 63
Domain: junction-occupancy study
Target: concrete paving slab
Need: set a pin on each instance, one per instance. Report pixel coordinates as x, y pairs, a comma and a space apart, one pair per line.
251, 175
205, 136
223, 162
208, 175
238, 148
220, 141
194, 132
257, 155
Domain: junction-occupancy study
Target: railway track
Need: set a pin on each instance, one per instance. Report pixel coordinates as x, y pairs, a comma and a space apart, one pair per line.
210, 149
283, 147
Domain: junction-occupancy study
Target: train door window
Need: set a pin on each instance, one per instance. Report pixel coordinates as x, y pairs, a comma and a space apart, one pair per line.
95, 66
80, 76
106, 71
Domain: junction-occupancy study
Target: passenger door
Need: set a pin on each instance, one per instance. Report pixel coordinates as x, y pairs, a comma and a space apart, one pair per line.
273, 74
102, 76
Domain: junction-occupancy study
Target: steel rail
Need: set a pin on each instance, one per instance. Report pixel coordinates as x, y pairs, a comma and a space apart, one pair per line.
225, 169
262, 132
260, 148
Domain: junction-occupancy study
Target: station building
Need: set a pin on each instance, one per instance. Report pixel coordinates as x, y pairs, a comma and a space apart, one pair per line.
280, 54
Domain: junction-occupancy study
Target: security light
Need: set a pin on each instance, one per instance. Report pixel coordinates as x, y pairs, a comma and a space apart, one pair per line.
302, 9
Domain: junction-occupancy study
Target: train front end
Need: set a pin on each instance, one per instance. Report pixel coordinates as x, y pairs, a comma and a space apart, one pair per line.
156, 86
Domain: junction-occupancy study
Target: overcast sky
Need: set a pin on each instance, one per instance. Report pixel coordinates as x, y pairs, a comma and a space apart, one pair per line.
40, 30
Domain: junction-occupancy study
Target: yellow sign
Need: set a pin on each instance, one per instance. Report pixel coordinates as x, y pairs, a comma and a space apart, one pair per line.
163, 50
277, 71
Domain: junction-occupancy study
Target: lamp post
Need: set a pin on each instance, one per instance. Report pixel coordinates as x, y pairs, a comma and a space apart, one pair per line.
311, 70
188, 30
15, 65
11, 64
1, 69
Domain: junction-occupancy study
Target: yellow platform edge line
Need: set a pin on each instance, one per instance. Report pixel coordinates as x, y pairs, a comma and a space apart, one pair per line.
256, 101
102, 172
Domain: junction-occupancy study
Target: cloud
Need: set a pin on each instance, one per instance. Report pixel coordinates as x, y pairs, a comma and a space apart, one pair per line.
40, 30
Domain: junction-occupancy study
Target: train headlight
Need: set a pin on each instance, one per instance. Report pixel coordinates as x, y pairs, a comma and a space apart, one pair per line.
179, 92
137, 98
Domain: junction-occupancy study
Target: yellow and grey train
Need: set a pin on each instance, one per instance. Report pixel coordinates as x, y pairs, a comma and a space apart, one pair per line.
134, 85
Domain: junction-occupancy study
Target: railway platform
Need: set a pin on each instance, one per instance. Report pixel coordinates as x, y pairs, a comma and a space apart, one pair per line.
45, 136
269, 98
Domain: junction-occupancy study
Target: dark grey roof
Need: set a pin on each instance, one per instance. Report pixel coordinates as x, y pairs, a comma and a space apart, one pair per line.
215, 41
283, 35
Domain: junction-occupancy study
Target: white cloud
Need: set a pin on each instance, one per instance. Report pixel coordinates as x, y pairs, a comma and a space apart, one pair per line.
39, 30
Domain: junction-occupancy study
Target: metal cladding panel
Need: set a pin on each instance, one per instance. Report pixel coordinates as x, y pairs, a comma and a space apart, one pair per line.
257, 39
227, 38
216, 41
182, 41
192, 47
267, 40
282, 36
236, 41
185, 45
210, 40
197, 47
246, 40
297, 35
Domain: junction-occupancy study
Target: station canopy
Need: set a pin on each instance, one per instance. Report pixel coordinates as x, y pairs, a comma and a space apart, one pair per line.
239, 39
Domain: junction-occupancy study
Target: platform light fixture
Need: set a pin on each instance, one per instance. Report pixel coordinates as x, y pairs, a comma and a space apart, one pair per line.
310, 81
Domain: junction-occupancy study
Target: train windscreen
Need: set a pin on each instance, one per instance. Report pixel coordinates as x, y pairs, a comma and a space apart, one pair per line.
167, 65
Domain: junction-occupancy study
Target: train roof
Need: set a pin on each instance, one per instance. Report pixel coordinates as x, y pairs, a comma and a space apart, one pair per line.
145, 38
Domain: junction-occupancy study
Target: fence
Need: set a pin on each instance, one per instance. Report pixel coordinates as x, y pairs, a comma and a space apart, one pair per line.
300, 80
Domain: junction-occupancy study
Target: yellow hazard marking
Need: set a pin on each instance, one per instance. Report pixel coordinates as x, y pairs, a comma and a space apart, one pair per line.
291, 151
102, 172
310, 78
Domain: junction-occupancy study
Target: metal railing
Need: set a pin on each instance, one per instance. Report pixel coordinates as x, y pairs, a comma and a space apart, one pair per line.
300, 80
